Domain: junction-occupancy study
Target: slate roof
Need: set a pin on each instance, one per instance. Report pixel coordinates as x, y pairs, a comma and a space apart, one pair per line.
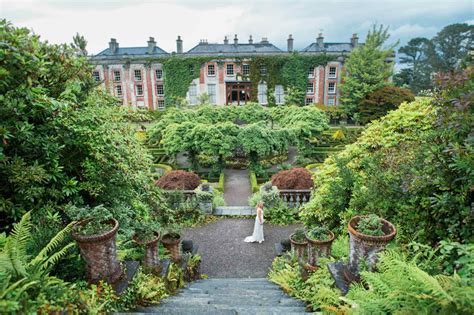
132, 51
329, 47
219, 49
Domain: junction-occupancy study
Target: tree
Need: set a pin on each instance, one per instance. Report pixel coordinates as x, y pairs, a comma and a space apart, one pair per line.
367, 68
417, 55
381, 101
294, 96
79, 43
452, 46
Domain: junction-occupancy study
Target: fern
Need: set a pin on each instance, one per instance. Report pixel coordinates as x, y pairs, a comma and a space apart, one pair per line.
402, 287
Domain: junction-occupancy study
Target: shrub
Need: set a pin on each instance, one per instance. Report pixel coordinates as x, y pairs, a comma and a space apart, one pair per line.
220, 186
253, 182
179, 180
296, 178
381, 101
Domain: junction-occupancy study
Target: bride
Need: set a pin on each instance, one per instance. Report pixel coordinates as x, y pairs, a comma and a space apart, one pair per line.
257, 235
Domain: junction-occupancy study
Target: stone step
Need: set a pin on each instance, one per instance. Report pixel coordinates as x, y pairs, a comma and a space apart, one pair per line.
223, 310
233, 301
234, 210
240, 293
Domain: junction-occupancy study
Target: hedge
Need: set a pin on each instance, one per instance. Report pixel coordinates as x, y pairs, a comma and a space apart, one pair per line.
220, 186
166, 168
253, 182
312, 166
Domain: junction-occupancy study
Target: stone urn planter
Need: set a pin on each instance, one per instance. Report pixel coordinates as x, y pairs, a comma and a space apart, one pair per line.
319, 244
151, 259
299, 244
100, 253
172, 241
365, 248
205, 195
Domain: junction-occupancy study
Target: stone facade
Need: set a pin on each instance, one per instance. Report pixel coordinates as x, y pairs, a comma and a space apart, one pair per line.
129, 74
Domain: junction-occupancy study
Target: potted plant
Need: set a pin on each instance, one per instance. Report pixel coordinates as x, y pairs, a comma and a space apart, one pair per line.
172, 242
319, 244
204, 196
368, 236
95, 234
298, 243
147, 234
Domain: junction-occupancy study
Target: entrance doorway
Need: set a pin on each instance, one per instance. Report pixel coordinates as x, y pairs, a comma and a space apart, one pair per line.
237, 93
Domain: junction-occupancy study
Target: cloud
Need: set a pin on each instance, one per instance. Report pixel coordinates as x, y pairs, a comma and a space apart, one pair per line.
132, 22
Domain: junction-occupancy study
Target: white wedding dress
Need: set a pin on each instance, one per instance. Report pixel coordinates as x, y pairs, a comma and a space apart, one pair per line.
257, 235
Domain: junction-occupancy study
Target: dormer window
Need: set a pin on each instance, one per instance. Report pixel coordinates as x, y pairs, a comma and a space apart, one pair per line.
138, 75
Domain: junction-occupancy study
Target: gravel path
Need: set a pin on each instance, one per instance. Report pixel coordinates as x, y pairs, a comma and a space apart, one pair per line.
225, 254
237, 188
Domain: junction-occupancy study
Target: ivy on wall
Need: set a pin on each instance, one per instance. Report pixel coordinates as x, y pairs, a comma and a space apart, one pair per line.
288, 70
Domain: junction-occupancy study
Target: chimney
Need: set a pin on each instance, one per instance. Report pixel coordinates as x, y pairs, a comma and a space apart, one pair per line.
354, 40
264, 40
151, 45
236, 40
320, 40
226, 41
250, 40
290, 43
179, 45
113, 46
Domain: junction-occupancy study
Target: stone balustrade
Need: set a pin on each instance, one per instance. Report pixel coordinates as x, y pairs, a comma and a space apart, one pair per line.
295, 197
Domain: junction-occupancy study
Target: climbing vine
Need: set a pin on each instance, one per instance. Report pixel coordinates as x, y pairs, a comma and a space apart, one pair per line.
287, 70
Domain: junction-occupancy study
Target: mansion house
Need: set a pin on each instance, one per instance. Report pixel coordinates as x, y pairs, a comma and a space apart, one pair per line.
134, 75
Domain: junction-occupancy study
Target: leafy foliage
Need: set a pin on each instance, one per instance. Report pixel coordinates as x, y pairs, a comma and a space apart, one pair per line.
295, 178
179, 180
370, 225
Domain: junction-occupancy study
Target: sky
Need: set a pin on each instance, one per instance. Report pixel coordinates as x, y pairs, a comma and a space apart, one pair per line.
133, 22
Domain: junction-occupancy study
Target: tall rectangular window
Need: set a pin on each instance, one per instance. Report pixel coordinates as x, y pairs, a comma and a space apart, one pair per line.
96, 76
262, 93
330, 102
279, 95
160, 90
138, 75
211, 90
159, 74
193, 94
230, 69
117, 76
211, 70
331, 88
246, 69
309, 88
332, 72
139, 90
263, 70
118, 90
308, 101
161, 104
311, 72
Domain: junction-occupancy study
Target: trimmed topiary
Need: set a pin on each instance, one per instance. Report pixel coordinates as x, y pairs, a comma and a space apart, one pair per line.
175, 180
296, 178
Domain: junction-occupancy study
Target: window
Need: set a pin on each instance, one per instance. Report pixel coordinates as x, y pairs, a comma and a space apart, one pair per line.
309, 88
117, 76
308, 101
211, 90
263, 71
262, 93
311, 73
192, 94
138, 75
159, 74
161, 104
279, 94
332, 87
332, 72
246, 69
118, 90
230, 69
159, 89
330, 102
211, 70
139, 90
96, 76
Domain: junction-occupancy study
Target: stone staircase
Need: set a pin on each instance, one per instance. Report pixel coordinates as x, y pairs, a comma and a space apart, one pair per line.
234, 210
229, 296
